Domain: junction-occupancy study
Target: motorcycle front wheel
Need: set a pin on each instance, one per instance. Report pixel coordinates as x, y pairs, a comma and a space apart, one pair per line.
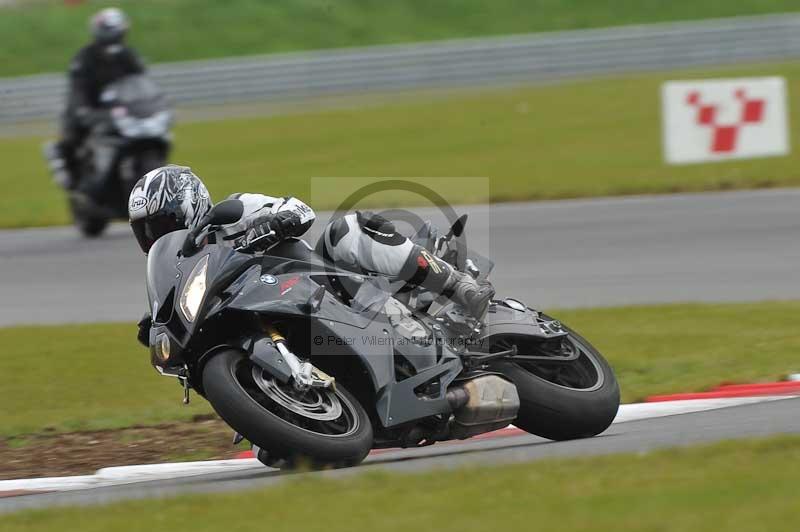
317, 427
136, 165
90, 225
565, 395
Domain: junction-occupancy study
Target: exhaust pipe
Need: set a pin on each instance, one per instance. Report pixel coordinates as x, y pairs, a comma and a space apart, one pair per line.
457, 397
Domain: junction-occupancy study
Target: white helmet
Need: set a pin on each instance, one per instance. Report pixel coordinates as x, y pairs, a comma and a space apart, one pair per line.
109, 26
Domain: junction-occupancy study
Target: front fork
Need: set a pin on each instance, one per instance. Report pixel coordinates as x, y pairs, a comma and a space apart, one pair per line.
304, 374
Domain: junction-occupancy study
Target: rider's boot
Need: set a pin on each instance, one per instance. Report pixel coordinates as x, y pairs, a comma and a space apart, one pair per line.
469, 293
63, 165
58, 166
440, 277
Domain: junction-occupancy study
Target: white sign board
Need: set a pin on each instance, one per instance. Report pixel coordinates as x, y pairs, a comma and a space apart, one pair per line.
717, 120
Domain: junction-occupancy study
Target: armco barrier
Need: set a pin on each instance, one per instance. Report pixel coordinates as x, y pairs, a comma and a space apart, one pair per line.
468, 62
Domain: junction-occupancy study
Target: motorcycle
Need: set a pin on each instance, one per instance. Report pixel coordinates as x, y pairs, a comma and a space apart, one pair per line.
129, 136
317, 365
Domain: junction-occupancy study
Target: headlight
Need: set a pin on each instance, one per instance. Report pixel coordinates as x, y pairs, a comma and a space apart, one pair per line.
194, 290
153, 126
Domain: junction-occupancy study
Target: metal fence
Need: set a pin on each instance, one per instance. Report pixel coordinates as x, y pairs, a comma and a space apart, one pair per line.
468, 62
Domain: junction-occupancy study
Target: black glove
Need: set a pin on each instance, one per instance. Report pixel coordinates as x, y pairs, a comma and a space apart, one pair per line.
144, 329
267, 231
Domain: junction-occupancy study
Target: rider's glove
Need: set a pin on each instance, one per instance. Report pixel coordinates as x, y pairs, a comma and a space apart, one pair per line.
267, 231
144, 329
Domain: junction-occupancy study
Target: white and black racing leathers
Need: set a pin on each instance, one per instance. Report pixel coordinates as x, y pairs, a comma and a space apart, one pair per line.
288, 217
368, 242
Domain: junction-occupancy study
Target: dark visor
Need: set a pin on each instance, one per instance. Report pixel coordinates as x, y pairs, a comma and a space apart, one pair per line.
148, 230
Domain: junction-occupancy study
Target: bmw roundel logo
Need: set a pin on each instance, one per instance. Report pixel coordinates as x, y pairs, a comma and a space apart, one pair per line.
268, 279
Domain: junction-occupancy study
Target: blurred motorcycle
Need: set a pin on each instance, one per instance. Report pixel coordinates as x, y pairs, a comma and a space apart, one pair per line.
129, 136
315, 364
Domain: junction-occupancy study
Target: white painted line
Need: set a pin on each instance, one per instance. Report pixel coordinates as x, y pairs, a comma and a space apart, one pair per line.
637, 411
116, 476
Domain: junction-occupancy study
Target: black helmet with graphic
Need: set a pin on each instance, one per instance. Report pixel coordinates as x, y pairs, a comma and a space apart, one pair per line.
165, 200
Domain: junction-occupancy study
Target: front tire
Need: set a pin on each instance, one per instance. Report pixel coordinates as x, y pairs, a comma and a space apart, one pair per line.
290, 427
137, 166
90, 226
565, 407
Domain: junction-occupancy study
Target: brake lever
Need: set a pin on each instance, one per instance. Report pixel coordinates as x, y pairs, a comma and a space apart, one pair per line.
249, 246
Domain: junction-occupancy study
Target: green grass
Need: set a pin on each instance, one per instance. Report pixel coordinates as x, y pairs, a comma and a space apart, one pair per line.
39, 37
83, 377
97, 376
592, 138
732, 486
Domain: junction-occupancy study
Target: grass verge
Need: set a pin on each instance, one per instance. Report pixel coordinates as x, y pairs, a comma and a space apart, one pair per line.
92, 377
55, 454
39, 35
749, 485
591, 138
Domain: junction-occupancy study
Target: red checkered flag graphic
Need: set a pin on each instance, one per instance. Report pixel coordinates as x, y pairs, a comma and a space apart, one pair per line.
724, 119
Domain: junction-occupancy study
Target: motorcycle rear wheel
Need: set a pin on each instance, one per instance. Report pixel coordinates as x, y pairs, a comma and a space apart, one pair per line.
318, 427
563, 400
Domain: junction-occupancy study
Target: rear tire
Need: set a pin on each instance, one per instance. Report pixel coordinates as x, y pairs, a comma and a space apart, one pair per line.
559, 412
236, 399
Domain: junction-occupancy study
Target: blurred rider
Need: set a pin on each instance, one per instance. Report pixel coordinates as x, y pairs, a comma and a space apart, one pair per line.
171, 198
102, 62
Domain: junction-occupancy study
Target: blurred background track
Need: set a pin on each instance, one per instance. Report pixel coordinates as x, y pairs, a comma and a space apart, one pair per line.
543, 57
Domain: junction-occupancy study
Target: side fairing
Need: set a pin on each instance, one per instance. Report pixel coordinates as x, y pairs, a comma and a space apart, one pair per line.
502, 319
290, 294
331, 328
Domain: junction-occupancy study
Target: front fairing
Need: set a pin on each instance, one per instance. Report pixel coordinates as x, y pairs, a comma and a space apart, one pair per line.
137, 109
163, 276
152, 126
247, 283
167, 276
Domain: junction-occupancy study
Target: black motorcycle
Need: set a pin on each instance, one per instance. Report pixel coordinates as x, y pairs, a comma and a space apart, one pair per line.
129, 136
315, 364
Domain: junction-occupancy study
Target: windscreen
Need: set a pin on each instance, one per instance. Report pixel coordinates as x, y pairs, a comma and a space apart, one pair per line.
134, 92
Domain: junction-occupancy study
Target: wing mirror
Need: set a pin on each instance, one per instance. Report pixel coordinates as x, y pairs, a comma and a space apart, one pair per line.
223, 213
458, 227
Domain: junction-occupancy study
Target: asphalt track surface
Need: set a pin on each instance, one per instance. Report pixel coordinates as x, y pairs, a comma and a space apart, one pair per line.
730, 246
761, 419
